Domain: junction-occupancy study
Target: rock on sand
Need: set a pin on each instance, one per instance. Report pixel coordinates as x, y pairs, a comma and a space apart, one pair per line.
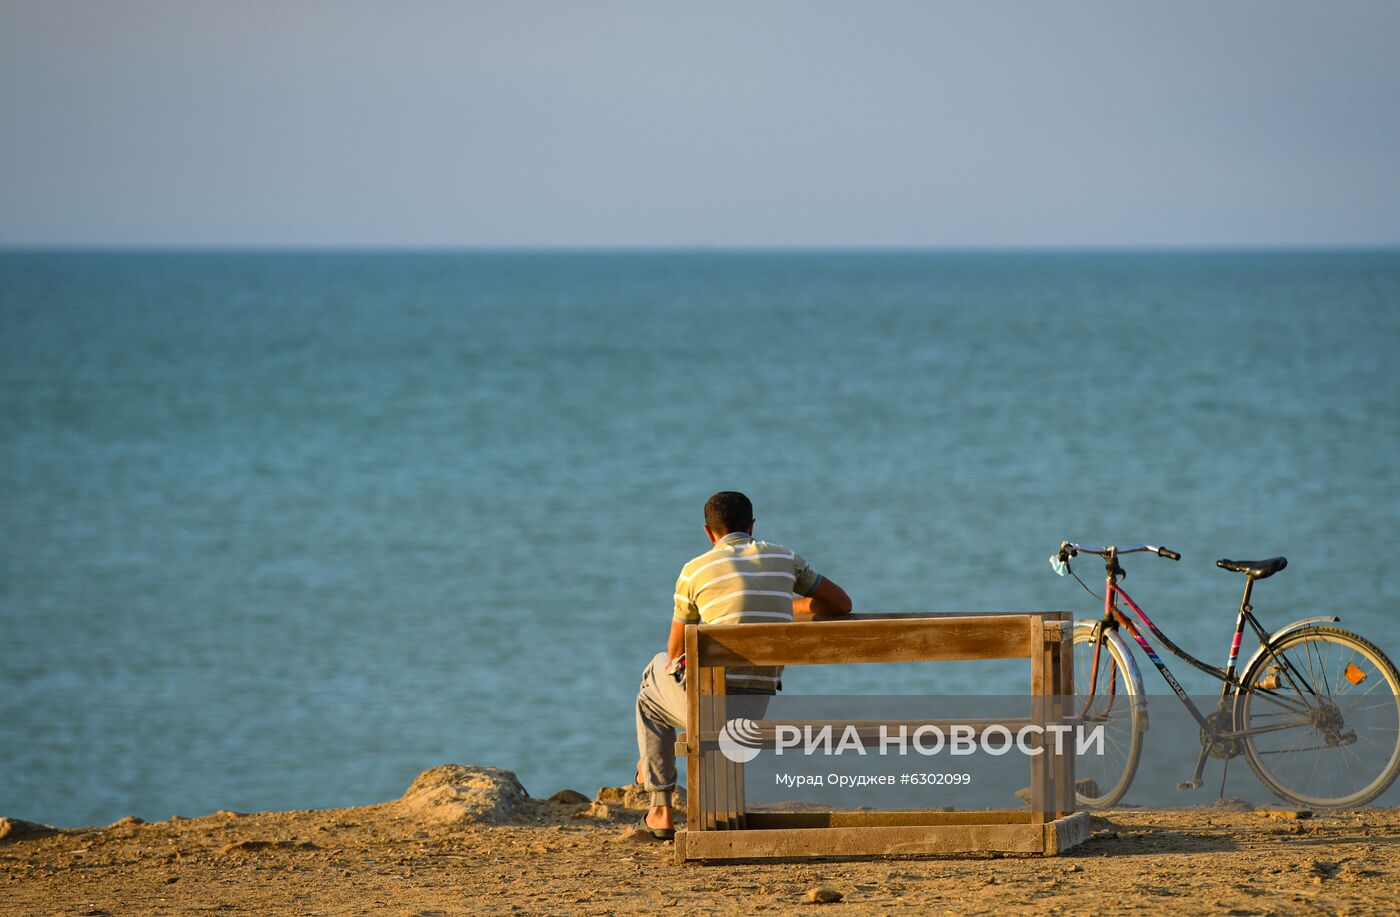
569, 798
17, 829
455, 793
822, 894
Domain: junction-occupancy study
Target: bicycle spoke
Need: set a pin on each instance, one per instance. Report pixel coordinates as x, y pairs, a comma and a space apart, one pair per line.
1322, 670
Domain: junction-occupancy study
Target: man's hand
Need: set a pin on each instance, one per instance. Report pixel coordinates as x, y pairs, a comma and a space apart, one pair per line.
827, 600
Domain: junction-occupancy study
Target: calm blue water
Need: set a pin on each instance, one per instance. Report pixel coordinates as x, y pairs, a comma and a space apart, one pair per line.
281, 531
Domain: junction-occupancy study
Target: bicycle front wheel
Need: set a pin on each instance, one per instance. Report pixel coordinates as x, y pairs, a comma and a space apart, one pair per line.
1321, 718
1116, 703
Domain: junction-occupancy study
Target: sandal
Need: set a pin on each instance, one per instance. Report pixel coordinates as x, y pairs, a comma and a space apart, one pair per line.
660, 834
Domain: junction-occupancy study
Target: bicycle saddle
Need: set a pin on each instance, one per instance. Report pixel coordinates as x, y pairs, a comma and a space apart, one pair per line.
1255, 569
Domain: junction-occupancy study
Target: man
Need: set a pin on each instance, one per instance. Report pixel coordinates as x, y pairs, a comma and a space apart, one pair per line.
740, 580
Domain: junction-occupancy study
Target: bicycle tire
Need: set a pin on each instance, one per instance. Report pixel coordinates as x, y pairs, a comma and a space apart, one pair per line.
1305, 762
1102, 782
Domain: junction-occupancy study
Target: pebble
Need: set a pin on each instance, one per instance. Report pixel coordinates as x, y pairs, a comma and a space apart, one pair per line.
569, 798
1234, 804
822, 894
593, 810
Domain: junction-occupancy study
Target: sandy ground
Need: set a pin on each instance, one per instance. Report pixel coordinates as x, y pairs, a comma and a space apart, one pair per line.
546, 860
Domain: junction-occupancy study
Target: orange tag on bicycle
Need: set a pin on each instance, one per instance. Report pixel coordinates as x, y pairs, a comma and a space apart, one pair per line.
1353, 674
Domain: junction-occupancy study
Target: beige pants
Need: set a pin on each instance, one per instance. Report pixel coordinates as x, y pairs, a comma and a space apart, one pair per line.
661, 710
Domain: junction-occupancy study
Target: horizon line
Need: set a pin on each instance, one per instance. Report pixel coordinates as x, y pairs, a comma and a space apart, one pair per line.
856, 249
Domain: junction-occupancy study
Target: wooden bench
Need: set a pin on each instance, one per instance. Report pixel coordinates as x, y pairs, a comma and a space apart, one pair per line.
719, 827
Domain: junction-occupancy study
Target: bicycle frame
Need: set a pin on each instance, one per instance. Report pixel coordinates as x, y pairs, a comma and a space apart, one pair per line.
1231, 686
1115, 617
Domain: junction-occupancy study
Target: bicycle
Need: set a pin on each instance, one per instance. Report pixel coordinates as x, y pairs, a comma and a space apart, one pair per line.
1315, 705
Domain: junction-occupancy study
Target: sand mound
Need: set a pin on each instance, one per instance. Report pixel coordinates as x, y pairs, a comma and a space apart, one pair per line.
17, 829
455, 793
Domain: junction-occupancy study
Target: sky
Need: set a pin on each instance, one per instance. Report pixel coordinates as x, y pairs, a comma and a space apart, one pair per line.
730, 125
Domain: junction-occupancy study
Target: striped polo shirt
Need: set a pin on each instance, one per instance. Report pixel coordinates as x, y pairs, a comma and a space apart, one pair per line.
743, 581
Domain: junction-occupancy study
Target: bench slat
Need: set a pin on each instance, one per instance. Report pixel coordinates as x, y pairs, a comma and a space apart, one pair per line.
877, 640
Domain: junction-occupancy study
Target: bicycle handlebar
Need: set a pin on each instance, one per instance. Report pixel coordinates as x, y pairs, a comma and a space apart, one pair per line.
1069, 549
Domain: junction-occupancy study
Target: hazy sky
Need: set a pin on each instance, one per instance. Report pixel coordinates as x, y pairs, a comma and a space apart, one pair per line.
681, 124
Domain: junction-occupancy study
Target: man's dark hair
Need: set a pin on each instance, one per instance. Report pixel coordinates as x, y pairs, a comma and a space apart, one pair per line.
728, 511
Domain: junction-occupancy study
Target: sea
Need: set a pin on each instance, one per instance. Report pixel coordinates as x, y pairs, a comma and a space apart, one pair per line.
280, 530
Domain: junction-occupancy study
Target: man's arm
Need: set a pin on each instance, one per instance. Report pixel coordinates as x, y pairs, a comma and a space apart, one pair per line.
675, 644
827, 600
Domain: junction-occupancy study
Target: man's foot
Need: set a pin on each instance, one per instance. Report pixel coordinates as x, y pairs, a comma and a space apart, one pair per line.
658, 822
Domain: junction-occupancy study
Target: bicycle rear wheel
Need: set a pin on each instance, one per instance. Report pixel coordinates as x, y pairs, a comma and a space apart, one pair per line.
1117, 704
1322, 718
